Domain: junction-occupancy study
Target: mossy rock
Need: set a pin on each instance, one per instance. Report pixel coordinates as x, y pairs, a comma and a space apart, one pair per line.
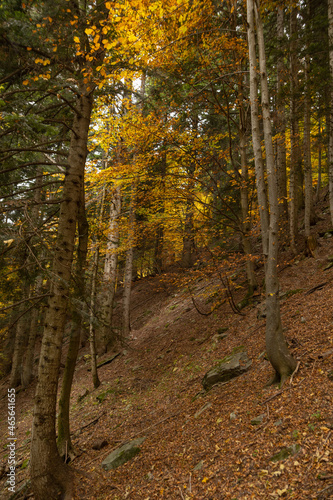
286, 453
123, 454
230, 367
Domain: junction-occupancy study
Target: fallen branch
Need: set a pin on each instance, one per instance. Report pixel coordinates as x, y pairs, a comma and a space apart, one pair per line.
318, 287
93, 422
109, 360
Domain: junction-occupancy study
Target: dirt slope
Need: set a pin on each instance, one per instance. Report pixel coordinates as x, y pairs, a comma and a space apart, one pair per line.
205, 447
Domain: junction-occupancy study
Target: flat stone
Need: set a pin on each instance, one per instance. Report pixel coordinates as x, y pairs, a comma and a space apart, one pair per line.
258, 420
230, 367
123, 454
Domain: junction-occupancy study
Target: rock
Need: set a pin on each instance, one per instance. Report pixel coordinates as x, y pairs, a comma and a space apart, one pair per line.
199, 466
261, 310
98, 445
258, 420
230, 367
285, 453
123, 454
325, 354
82, 395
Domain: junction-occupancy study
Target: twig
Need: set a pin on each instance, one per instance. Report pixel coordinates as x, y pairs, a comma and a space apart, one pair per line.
318, 287
328, 488
181, 493
294, 372
90, 423
272, 397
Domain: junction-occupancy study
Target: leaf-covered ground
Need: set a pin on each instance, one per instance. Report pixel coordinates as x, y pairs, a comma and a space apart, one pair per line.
205, 446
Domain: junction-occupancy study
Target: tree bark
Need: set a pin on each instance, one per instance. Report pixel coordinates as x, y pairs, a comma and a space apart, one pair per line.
294, 134
281, 132
246, 225
28, 361
21, 337
309, 210
50, 477
129, 268
64, 443
92, 336
110, 271
330, 145
258, 159
276, 347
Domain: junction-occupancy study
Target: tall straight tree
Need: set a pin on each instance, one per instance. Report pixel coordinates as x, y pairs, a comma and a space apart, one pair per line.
330, 145
255, 124
276, 347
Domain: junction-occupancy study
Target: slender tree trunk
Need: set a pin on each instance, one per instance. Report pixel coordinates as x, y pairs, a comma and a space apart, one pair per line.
281, 131
92, 336
246, 226
330, 145
28, 361
309, 209
129, 268
21, 337
158, 250
258, 159
294, 134
276, 347
65, 446
110, 270
188, 254
319, 160
50, 477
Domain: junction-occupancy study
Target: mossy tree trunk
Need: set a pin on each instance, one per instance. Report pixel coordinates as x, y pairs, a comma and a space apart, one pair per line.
50, 477
65, 446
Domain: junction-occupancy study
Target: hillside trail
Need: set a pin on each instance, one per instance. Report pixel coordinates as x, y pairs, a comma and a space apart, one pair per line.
204, 446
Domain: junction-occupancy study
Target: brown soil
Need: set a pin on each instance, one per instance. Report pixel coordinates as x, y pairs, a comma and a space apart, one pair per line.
150, 391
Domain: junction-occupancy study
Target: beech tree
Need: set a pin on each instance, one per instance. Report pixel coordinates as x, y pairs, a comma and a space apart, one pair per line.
276, 346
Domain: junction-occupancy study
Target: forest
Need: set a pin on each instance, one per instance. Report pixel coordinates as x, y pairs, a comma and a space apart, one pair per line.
180, 147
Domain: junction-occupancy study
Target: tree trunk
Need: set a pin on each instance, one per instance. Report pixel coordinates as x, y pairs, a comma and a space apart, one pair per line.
50, 478
276, 347
28, 361
129, 268
64, 443
309, 210
319, 159
294, 134
246, 226
21, 337
188, 255
110, 270
258, 159
92, 336
330, 145
281, 131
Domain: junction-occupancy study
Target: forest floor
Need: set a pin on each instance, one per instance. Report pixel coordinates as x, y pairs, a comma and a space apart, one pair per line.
204, 446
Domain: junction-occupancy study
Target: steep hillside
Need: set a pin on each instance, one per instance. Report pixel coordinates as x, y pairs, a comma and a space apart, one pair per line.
205, 446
